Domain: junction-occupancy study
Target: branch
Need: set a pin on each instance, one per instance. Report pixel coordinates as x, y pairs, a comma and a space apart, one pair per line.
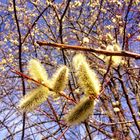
125, 24
59, 138
128, 101
115, 123
88, 130
56, 118
40, 83
20, 64
65, 10
34, 23
80, 48
97, 18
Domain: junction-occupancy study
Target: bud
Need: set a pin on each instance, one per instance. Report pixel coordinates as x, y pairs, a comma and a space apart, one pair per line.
85, 40
109, 37
116, 109
76, 91
115, 103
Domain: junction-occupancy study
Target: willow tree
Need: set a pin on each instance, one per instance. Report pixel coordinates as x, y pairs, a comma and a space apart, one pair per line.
47, 91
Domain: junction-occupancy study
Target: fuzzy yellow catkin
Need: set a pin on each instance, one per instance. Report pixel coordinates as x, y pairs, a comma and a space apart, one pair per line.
115, 60
33, 99
37, 71
59, 79
87, 78
80, 112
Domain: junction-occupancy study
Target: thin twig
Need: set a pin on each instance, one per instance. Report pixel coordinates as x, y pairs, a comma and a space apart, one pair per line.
128, 101
40, 83
115, 123
59, 138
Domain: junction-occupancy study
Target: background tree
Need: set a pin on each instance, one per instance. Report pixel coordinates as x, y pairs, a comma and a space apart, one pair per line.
89, 26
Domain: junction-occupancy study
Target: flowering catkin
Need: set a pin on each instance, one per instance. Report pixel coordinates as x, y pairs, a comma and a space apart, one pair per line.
37, 71
115, 60
34, 98
80, 112
59, 79
87, 78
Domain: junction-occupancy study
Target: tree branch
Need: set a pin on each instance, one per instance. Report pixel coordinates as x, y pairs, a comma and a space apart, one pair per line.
80, 48
125, 24
20, 64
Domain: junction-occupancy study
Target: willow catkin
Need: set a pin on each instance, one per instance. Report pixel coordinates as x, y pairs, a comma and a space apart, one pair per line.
87, 78
80, 112
33, 99
115, 60
37, 71
78, 58
59, 79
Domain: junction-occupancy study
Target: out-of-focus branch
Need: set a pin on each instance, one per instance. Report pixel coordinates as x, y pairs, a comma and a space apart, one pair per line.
65, 10
88, 131
97, 18
56, 117
8, 129
34, 23
128, 101
80, 48
115, 123
101, 130
59, 138
126, 16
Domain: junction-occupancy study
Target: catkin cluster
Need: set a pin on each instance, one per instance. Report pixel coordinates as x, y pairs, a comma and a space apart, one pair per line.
114, 60
38, 95
89, 82
87, 78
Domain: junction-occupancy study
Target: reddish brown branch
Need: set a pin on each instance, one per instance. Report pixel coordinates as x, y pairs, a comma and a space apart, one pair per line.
59, 138
40, 83
80, 48
29, 78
